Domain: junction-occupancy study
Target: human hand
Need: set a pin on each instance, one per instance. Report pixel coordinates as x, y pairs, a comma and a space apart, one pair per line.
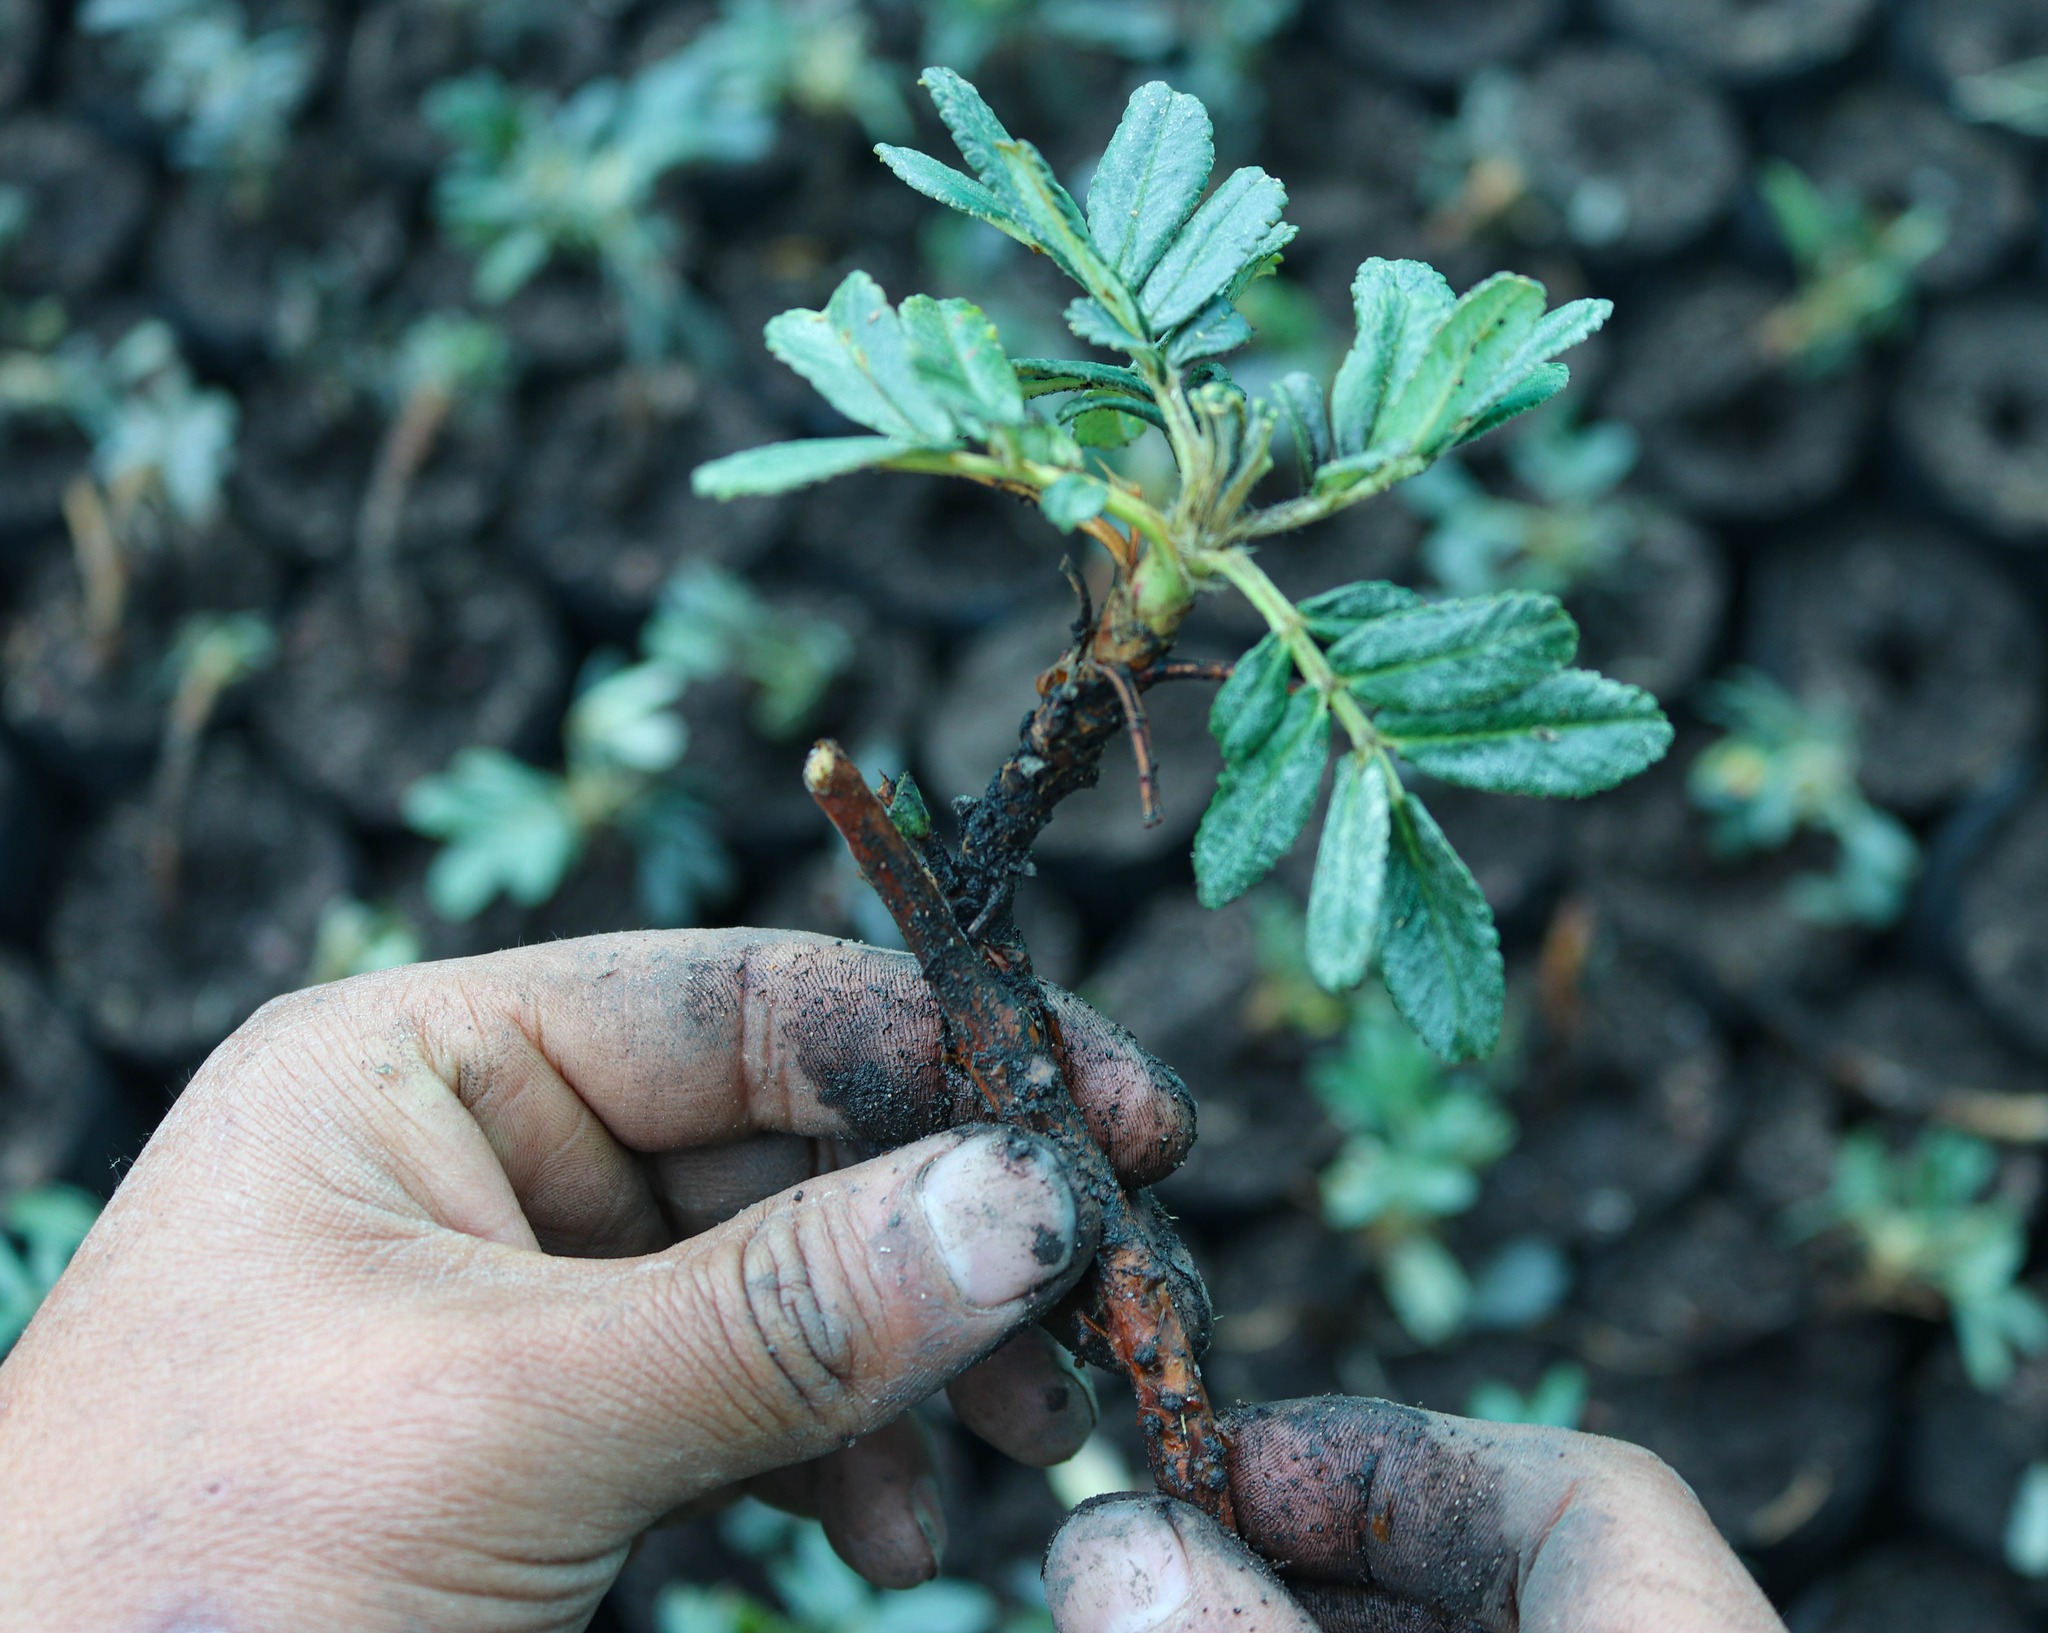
438, 1287
1385, 1519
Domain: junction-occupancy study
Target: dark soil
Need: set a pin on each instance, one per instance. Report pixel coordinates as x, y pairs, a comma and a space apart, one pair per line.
2001, 934
1440, 41
1745, 41
51, 1087
1972, 410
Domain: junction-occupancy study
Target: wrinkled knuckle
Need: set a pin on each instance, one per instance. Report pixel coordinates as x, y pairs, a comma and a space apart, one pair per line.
1640, 1472
799, 1312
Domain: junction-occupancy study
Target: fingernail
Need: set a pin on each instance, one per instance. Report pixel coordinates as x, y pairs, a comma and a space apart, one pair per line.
1002, 1213
1120, 1569
930, 1516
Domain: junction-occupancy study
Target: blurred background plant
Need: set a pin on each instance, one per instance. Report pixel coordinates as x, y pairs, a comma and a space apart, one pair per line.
1785, 767
40, 1228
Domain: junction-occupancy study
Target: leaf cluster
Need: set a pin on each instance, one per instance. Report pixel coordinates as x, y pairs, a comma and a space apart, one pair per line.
1927, 1228
154, 429
531, 175
229, 94
1784, 767
1476, 692
40, 1228
1855, 267
1558, 1400
514, 829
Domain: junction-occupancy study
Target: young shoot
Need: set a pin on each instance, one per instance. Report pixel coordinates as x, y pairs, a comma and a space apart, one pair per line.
162, 447
358, 938
444, 362
40, 1229
532, 177
1475, 691
1785, 767
1855, 268
211, 654
1557, 1402
1575, 528
1475, 175
228, 96
1931, 1239
1417, 1138
512, 829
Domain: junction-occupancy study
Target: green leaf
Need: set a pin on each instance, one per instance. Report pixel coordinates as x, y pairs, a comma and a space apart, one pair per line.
1262, 803
856, 354
1041, 375
1218, 328
1149, 178
1464, 357
1142, 410
974, 127
1534, 389
1570, 735
508, 829
1035, 193
1399, 305
1336, 613
1091, 320
1350, 877
783, 466
1439, 950
1073, 500
953, 189
1249, 705
1527, 368
1234, 226
1452, 653
1298, 399
959, 357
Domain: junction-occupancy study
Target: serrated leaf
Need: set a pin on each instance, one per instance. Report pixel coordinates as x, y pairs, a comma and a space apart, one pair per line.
1350, 876
1262, 803
1464, 357
1298, 399
1567, 736
1092, 322
1099, 427
1336, 613
952, 188
1250, 703
972, 123
1398, 306
1439, 950
1230, 229
1031, 189
1085, 403
508, 829
1149, 178
1218, 328
1534, 389
1073, 500
1041, 375
959, 357
1452, 653
856, 354
781, 467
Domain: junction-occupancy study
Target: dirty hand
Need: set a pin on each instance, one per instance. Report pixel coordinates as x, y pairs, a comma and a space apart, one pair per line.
1385, 1519
438, 1287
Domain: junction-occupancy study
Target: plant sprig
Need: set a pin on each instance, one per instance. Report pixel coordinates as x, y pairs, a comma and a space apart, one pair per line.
1474, 691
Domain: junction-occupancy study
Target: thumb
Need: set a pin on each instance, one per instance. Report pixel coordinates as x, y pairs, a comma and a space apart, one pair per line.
821, 1314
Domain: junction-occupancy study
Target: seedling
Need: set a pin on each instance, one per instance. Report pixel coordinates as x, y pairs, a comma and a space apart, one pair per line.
1418, 1137
817, 56
513, 829
443, 363
1784, 767
1474, 174
357, 938
228, 96
40, 1229
1855, 268
162, 447
1575, 530
1557, 1402
212, 653
532, 177
1474, 691
2014, 95
1932, 1240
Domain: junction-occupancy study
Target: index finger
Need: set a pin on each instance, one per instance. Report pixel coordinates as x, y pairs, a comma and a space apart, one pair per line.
675, 1039
1509, 1527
